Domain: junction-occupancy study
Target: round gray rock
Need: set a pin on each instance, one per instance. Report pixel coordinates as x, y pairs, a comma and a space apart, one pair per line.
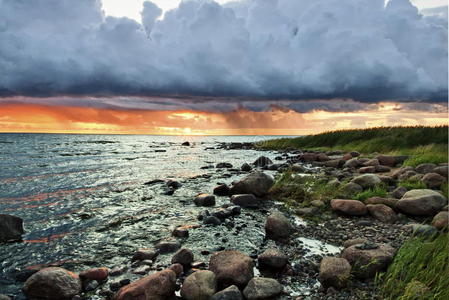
260, 288
200, 285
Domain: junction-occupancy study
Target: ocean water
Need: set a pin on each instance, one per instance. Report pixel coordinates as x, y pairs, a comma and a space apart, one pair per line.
84, 202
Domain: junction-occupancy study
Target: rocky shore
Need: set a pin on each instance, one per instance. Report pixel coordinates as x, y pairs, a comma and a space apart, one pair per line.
332, 251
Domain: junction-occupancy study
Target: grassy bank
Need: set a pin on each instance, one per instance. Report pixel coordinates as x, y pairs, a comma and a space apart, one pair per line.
420, 270
424, 144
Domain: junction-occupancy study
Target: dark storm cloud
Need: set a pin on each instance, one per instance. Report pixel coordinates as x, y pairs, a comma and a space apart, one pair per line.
257, 49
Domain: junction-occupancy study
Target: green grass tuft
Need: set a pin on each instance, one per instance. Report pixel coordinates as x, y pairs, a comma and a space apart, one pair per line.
410, 184
421, 267
378, 191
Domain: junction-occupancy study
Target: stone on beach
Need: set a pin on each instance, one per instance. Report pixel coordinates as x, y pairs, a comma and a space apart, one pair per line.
272, 258
433, 180
278, 226
158, 286
230, 293
367, 180
204, 200
11, 228
382, 213
231, 268
262, 161
246, 167
257, 183
334, 272
391, 202
180, 232
183, 256
441, 220
167, 246
53, 284
421, 202
425, 168
349, 207
200, 285
222, 190
98, 274
145, 254
245, 200
260, 288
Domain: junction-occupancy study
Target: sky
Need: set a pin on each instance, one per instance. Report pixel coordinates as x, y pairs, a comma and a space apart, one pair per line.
227, 67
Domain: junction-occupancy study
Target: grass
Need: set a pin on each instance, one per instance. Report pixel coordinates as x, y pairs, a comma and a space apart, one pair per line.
423, 143
378, 191
420, 270
411, 184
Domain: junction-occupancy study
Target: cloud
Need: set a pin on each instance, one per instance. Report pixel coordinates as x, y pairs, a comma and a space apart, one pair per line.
360, 49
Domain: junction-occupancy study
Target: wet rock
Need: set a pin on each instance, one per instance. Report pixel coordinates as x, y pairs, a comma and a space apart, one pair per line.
144, 254
245, 200
118, 270
366, 261
167, 246
349, 207
11, 228
272, 258
154, 181
356, 241
200, 285
229, 293
180, 232
391, 202
142, 270
433, 180
308, 157
322, 157
382, 169
334, 272
204, 200
298, 168
442, 170
352, 188
177, 268
387, 160
158, 286
256, 183
371, 163
422, 230
399, 192
367, 180
173, 184
231, 268
260, 288
307, 211
4, 297
246, 167
262, 161
52, 284
183, 257
352, 163
441, 220
211, 220
98, 274
224, 165
421, 202
369, 169
425, 168
382, 213
185, 144
278, 227
222, 190
334, 163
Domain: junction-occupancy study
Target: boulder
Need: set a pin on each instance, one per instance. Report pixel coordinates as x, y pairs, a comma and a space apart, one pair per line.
177, 268
349, 207
180, 232
11, 228
334, 163
262, 161
183, 256
433, 180
369, 169
367, 260
167, 246
145, 254
367, 180
382, 213
425, 168
246, 167
322, 157
399, 192
398, 172
278, 227
260, 288
391, 202
351, 188
407, 175
200, 285
387, 160
441, 220
229, 293
352, 163
382, 169
98, 274
53, 284
158, 286
204, 200
442, 170
298, 168
224, 165
256, 183
421, 202
185, 144
222, 190
272, 258
231, 268
371, 163
308, 157
334, 272
351, 242
246, 200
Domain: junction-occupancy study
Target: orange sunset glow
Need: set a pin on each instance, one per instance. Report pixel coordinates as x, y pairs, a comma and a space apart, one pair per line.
38, 118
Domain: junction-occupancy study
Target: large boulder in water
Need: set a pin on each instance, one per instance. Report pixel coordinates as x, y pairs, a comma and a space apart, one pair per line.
200, 285
11, 228
260, 288
368, 259
262, 161
257, 183
422, 202
53, 284
158, 286
278, 227
231, 268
